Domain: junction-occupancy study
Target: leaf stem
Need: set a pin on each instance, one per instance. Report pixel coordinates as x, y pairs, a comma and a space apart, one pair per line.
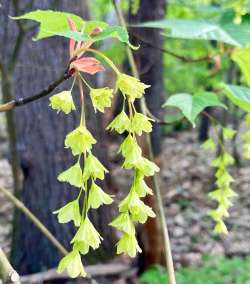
85, 82
82, 121
72, 86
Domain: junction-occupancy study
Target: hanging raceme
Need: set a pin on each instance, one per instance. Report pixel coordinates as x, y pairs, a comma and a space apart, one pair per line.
87, 169
223, 192
132, 209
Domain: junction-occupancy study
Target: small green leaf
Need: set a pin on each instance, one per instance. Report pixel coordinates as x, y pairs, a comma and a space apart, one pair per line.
141, 123
62, 102
131, 86
128, 244
73, 264
97, 197
117, 32
239, 96
228, 133
120, 124
101, 98
196, 29
191, 106
51, 22
69, 212
73, 176
79, 140
93, 168
55, 23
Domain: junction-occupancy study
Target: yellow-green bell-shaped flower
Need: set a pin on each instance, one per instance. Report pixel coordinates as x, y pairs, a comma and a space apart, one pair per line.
131, 86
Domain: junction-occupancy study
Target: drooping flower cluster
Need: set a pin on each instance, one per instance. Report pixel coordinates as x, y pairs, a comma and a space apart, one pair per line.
223, 192
87, 169
132, 209
80, 142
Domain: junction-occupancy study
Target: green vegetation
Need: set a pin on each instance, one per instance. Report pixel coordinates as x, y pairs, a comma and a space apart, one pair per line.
213, 271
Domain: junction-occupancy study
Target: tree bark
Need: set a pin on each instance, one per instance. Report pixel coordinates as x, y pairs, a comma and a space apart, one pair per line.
150, 65
40, 133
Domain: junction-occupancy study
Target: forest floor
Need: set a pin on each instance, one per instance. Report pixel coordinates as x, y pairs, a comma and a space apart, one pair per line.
186, 179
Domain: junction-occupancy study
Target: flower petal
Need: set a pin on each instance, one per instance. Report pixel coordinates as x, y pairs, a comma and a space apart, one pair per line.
72, 42
88, 65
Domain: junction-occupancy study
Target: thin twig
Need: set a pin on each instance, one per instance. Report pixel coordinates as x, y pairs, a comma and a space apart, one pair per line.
167, 246
23, 101
183, 58
7, 273
33, 219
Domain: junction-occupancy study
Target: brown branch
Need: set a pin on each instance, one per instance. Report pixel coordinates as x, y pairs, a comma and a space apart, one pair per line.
183, 58
167, 51
7, 272
96, 270
33, 219
23, 101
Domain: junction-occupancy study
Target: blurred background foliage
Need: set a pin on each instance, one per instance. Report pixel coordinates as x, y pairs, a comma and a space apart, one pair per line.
213, 271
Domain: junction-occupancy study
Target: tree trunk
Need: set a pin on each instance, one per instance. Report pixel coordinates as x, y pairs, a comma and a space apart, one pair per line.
41, 132
150, 64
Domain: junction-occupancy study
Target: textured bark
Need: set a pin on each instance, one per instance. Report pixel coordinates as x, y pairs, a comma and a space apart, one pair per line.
150, 64
41, 133
150, 60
